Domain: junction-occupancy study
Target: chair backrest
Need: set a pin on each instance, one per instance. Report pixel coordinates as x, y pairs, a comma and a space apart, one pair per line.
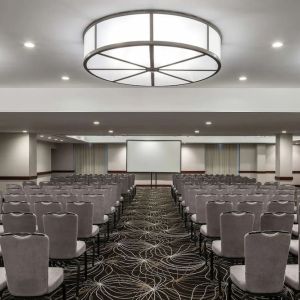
277, 222
235, 199
200, 203
42, 208
84, 210
266, 255
19, 222
15, 206
213, 212
65, 198
62, 229
234, 227
281, 206
98, 203
26, 260
254, 207
15, 197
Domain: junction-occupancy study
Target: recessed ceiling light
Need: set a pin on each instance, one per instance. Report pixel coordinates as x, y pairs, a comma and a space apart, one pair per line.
208, 123
110, 131
61, 140
41, 136
24, 131
283, 131
243, 78
55, 139
277, 44
65, 78
197, 131
29, 44
49, 138
96, 122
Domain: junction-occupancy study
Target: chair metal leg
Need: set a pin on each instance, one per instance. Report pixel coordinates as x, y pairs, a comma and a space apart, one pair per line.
93, 259
115, 219
107, 228
219, 277
63, 287
205, 252
229, 287
211, 265
200, 243
78, 278
98, 243
85, 265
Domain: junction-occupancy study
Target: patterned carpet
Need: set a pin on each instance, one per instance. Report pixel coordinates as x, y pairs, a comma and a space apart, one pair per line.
149, 256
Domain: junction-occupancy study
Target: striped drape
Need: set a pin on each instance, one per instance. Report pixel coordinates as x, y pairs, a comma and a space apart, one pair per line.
221, 159
90, 158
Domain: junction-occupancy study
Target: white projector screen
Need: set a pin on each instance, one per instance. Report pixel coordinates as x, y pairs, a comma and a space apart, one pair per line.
154, 156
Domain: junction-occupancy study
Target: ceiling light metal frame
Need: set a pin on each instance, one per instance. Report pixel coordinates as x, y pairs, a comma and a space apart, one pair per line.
152, 43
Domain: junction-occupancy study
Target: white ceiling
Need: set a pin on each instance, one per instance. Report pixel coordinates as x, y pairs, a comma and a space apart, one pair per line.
56, 26
169, 124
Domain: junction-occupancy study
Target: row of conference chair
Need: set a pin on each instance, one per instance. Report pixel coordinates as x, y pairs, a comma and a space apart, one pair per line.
234, 237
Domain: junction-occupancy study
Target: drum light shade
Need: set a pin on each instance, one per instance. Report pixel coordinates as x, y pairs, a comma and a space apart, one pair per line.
152, 48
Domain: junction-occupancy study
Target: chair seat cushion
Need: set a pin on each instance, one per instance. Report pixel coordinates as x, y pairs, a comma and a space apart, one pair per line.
95, 230
117, 203
55, 278
294, 247
187, 209
121, 199
112, 209
194, 218
3, 281
183, 203
238, 276
295, 229
203, 230
292, 276
295, 218
80, 248
217, 248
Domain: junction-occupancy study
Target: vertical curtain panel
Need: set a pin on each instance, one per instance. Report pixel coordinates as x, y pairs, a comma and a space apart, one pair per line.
90, 158
221, 159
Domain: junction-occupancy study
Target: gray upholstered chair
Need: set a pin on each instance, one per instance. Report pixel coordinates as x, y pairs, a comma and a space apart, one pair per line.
199, 218
42, 208
292, 280
15, 206
26, 260
211, 230
255, 207
264, 269
281, 206
16, 222
276, 222
233, 228
64, 199
86, 229
62, 230
99, 217
15, 197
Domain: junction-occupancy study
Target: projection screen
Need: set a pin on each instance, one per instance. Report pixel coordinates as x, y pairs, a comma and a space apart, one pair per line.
153, 156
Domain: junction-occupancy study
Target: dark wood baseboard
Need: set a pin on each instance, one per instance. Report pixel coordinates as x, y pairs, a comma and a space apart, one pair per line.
44, 173
63, 171
18, 177
117, 171
55, 171
284, 178
149, 185
192, 172
258, 172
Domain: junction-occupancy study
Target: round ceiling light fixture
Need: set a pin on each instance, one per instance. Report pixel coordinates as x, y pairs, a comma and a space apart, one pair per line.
152, 48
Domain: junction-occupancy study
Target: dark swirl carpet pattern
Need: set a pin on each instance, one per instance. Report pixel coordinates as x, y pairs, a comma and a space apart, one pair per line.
149, 256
